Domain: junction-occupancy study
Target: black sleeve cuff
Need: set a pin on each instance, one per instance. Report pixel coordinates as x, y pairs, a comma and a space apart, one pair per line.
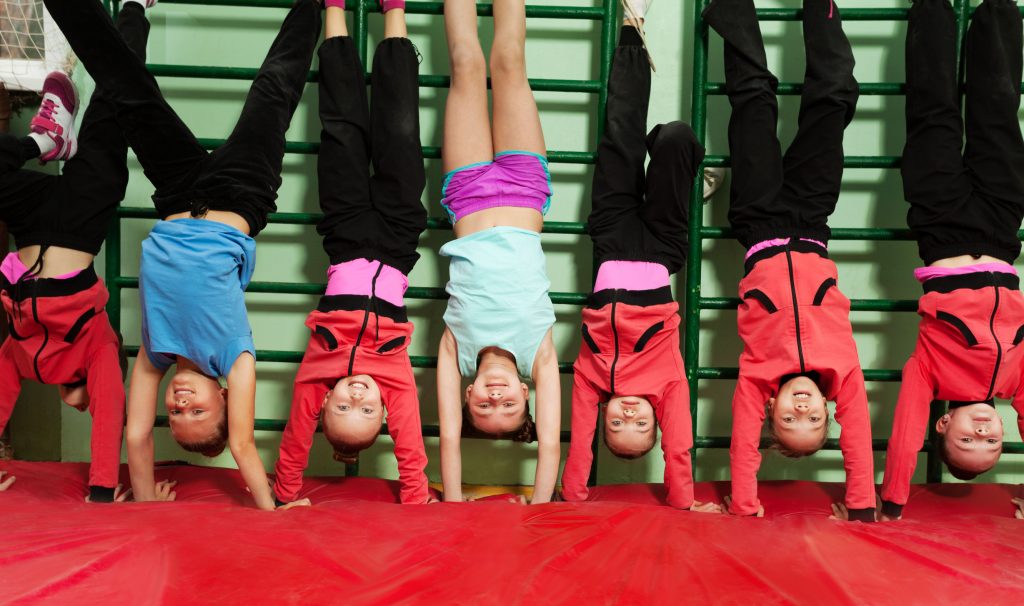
101, 494
861, 515
891, 509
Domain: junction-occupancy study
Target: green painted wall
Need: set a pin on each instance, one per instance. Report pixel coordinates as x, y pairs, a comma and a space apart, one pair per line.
556, 49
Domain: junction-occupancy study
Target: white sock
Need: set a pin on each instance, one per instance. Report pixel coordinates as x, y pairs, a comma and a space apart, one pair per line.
46, 144
636, 8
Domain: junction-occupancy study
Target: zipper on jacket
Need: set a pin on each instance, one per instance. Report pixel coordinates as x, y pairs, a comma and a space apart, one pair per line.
796, 311
371, 303
615, 340
999, 347
46, 339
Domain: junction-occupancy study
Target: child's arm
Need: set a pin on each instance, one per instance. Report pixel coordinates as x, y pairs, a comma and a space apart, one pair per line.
909, 427
549, 420
10, 387
241, 432
676, 441
406, 431
748, 403
142, 394
855, 442
585, 402
449, 411
297, 439
107, 407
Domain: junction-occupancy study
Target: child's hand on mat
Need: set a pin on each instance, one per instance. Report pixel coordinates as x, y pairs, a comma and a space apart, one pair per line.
727, 501
299, 503
840, 512
5, 484
1018, 501
705, 507
163, 492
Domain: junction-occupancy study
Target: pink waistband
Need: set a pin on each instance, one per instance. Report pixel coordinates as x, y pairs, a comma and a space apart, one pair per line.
778, 242
927, 273
631, 275
356, 278
13, 269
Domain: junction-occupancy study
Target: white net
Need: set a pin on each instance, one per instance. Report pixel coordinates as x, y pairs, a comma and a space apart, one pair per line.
31, 45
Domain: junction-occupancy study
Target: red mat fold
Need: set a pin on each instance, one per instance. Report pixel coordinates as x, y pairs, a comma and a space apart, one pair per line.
356, 546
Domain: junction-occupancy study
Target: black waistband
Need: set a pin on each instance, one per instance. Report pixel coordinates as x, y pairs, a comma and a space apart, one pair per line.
974, 281
794, 245
50, 287
959, 404
329, 303
640, 298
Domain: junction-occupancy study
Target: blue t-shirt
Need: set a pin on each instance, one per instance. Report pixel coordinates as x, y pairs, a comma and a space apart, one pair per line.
498, 295
192, 279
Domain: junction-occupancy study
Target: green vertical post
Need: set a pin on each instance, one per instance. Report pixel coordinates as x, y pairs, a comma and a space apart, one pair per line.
698, 121
609, 20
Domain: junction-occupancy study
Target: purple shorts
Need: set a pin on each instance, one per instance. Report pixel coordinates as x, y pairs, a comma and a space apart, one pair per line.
514, 178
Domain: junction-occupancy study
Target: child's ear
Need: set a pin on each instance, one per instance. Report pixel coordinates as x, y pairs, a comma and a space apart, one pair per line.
526, 390
469, 390
327, 396
771, 405
942, 424
224, 394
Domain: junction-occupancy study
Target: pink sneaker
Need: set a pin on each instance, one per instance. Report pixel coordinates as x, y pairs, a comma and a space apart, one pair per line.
56, 117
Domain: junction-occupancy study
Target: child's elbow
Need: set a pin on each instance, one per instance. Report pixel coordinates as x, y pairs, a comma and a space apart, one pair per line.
240, 446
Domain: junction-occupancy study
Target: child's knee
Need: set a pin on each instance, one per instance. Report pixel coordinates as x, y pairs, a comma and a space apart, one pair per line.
467, 59
508, 59
675, 139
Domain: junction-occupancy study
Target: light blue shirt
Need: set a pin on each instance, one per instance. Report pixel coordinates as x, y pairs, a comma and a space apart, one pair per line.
192, 279
498, 288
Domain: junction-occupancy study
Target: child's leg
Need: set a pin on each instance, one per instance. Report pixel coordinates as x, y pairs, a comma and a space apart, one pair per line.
252, 157
935, 181
619, 182
94, 181
675, 157
15, 152
398, 178
516, 119
343, 165
466, 124
753, 142
995, 148
813, 164
168, 151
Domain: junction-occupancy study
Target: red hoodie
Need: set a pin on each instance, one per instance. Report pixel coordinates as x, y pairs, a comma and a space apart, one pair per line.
346, 342
968, 350
631, 347
794, 320
60, 335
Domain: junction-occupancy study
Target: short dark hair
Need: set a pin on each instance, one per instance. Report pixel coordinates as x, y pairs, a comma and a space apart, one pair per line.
629, 456
957, 472
213, 444
347, 451
525, 433
776, 444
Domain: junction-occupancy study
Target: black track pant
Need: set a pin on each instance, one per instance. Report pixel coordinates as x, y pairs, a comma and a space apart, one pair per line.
637, 216
968, 203
378, 217
15, 152
241, 176
74, 209
774, 196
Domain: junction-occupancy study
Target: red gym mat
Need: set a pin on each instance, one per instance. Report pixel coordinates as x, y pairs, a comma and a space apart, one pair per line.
356, 546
